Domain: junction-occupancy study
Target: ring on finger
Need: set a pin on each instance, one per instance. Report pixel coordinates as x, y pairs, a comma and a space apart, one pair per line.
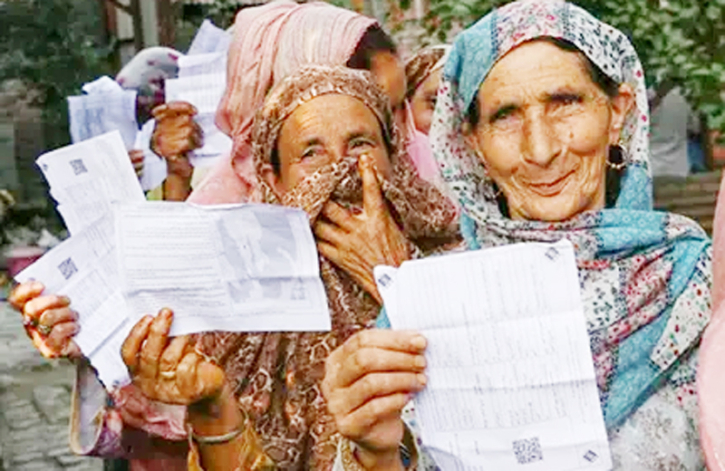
167, 374
44, 330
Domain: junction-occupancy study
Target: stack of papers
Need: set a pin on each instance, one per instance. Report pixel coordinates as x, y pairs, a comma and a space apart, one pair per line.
511, 381
244, 268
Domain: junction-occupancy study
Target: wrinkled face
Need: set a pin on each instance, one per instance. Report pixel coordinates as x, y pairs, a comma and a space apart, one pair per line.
423, 101
389, 74
544, 132
323, 131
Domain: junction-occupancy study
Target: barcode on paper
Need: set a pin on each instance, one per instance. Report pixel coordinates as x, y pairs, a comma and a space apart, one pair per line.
67, 268
78, 166
528, 450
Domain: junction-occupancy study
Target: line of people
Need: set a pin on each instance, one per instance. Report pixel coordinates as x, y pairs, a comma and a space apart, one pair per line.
537, 123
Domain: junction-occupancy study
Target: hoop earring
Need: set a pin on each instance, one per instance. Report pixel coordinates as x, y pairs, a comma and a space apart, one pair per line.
618, 166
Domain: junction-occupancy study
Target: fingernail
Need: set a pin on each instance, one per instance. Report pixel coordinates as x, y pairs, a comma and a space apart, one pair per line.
65, 299
419, 342
420, 361
422, 380
37, 286
364, 159
166, 312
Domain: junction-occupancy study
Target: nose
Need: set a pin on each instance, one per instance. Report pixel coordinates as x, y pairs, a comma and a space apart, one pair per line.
541, 145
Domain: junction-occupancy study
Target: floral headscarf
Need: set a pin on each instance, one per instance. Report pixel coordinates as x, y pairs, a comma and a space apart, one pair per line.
645, 275
277, 375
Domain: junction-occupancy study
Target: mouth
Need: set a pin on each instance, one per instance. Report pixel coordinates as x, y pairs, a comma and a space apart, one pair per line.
551, 187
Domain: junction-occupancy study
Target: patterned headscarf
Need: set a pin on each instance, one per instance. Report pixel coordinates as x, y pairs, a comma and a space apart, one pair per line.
270, 42
277, 375
645, 275
422, 64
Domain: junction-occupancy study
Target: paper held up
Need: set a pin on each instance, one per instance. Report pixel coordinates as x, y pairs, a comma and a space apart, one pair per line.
209, 38
511, 382
84, 268
86, 178
243, 268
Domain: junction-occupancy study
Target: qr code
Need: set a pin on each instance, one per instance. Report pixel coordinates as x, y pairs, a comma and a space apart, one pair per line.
78, 166
67, 268
528, 451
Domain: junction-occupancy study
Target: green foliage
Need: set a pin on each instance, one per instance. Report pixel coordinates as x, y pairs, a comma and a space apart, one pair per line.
679, 41
53, 47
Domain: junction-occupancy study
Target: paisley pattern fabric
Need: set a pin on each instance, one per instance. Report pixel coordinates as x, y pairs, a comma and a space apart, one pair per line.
277, 375
422, 64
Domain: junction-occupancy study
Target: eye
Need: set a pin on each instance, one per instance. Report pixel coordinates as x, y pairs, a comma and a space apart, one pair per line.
502, 113
311, 152
360, 142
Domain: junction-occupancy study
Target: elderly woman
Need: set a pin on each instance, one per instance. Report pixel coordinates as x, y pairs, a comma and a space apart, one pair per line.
325, 141
271, 42
423, 72
541, 131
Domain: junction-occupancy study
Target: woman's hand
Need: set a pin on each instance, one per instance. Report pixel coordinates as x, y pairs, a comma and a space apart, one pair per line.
136, 156
49, 321
176, 134
168, 370
368, 381
358, 243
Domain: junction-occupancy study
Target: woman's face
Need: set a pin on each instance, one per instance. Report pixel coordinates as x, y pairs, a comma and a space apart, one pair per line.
389, 75
544, 132
423, 101
323, 131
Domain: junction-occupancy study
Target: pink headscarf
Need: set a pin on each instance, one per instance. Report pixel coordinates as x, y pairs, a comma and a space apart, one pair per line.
711, 369
271, 42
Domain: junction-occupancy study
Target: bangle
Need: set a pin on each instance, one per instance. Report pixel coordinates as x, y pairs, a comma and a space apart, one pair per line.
216, 439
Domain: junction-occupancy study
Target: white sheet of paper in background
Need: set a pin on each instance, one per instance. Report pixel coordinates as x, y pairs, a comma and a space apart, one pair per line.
511, 382
84, 268
102, 112
85, 179
200, 64
154, 167
244, 268
204, 92
209, 38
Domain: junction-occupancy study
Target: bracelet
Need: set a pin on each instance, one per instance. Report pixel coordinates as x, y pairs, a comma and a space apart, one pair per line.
216, 439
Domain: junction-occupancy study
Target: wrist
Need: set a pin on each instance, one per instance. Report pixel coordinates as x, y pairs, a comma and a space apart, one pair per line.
217, 415
177, 187
387, 460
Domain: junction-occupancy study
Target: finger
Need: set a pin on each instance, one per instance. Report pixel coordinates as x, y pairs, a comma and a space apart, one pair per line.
173, 353
153, 347
372, 197
71, 350
51, 317
210, 377
35, 307
24, 292
330, 233
330, 252
355, 424
339, 215
186, 377
396, 340
376, 360
375, 385
61, 335
132, 344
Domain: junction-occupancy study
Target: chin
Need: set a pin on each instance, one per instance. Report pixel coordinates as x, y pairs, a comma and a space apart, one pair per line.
554, 211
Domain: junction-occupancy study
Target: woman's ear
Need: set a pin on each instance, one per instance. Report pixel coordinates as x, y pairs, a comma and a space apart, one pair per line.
621, 105
273, 179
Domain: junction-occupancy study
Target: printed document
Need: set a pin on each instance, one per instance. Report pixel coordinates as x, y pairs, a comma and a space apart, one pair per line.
87, 178
209, 38
243, 268
84, 268
511, 382
154, 166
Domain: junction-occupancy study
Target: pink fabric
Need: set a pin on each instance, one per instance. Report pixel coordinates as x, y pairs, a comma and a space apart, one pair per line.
711, 369
270, 42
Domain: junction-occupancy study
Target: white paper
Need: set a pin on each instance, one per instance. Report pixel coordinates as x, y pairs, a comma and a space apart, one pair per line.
154, 166
210, 38
244, 268
200, 64
101, 112
511, 383
204, 92
87, 178
84, 268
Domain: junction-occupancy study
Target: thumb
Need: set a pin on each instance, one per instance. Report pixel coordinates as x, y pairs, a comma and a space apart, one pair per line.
372, 197
211, 377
